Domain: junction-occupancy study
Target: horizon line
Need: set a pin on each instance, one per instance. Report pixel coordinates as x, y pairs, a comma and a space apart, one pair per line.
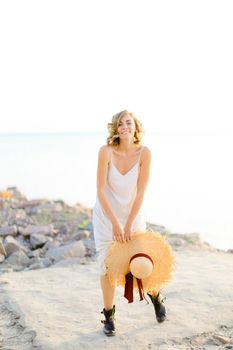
187, 132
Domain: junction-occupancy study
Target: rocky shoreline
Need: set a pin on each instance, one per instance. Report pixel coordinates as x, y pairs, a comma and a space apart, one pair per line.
38, 233
41, 233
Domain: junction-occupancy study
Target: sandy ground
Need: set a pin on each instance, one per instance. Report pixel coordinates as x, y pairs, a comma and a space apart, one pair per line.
59, 307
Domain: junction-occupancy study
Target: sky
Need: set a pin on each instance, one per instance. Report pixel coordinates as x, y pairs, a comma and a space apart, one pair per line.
68, 66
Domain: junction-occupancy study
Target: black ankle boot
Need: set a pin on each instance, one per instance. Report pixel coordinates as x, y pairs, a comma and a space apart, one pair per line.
160, 310
109, 326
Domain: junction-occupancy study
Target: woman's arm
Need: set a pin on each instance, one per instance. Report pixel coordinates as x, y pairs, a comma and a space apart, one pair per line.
143, 180
102, 172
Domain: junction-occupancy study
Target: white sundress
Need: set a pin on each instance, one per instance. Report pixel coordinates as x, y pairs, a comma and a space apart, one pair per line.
120, 192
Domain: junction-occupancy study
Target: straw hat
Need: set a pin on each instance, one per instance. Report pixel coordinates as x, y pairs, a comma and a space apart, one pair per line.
146, 263
141, 266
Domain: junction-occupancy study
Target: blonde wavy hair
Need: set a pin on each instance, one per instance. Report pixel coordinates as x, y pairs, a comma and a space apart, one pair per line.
113, 138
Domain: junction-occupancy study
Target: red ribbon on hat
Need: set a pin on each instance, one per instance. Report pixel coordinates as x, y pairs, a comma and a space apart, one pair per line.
128, 294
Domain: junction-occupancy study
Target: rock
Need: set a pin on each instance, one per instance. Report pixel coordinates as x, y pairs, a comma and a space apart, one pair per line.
62, 228
176, 242
24, 243
212, 341
16, 193
75, 249
8, 230
200, 340
83, 234
11, 216
20, 214
61, 202
37, 240
70, 262
40, 264
2, 257
90, 247
2, 249
50, 244
158, 228
19, 217
49, 206
5, 195
35, 253
18, 258
224, 327
32, 203
12, 245
222, 339
42, 229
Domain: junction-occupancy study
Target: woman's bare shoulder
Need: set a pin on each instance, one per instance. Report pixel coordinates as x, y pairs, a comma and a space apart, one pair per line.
105, 151
146, 155
146, 151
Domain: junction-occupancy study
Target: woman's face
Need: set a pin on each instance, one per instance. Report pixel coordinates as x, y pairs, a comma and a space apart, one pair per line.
126, 127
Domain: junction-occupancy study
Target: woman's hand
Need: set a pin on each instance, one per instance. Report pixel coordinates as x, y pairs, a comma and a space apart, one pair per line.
118, 232
128, 232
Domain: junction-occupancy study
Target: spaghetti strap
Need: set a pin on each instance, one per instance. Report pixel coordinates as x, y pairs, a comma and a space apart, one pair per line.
140, 154
138, 161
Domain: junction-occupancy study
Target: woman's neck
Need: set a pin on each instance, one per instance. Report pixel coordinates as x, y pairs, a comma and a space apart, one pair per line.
126, 146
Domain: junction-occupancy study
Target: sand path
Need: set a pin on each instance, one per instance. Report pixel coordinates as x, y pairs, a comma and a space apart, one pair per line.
62, 305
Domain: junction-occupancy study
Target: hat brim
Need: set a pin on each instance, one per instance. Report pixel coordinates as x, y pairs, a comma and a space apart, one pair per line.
148, 242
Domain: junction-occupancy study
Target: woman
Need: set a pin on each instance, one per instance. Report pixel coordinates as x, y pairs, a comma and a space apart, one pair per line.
122, 177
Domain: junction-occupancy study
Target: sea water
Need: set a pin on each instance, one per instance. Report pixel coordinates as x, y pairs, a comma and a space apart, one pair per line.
190, 187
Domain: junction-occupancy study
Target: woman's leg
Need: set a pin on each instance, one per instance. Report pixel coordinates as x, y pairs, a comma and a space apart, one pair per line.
109, 309
159, 306
108, 292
